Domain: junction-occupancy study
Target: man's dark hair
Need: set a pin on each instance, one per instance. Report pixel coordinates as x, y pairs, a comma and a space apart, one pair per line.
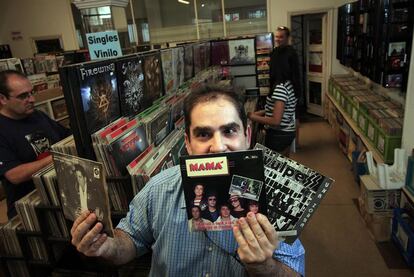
4, 77
285, 29
212, 92
80, 168
198, 207
225, 205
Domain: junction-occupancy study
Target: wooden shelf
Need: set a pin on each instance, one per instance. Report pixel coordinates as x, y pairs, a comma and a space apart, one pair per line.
376, 155
48, 94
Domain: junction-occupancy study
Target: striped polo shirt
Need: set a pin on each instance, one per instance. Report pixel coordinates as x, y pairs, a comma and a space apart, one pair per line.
283, 92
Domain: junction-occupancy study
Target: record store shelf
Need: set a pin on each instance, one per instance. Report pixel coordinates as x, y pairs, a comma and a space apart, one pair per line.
377, 156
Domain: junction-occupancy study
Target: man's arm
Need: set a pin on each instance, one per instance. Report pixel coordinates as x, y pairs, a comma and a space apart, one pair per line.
257, 241
91, 242
24, 172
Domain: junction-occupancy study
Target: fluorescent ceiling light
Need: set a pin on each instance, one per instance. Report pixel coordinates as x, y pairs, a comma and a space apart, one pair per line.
184, 2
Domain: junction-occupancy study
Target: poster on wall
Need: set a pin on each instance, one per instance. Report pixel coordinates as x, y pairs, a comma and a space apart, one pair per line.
242, 51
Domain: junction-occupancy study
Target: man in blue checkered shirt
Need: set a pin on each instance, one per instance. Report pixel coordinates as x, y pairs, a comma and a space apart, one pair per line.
215, 122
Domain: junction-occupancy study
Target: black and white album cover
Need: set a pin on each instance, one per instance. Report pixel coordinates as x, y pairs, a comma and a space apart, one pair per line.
152, 78
99, 93
293, 192
220, 188
131, 86
242, 51
82, 186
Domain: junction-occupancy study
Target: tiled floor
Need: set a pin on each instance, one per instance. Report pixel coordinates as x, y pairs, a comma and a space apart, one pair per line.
336, 240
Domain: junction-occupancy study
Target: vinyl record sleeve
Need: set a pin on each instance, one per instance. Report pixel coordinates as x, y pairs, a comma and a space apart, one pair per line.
235, 179
99, 94
293, 192
157, 128
220, 52
197, 58
131, 86
242, 51
82, 186
167, 70
153, 77
178, 66
264, 42
127, 147
188, 62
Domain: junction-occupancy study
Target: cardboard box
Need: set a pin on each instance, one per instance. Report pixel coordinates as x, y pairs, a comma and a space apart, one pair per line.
379, 225
377, 199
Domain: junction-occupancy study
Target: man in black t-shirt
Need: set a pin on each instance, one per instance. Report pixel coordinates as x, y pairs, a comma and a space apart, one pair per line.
25, 137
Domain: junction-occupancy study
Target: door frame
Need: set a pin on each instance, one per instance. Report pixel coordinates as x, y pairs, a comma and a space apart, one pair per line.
328, 51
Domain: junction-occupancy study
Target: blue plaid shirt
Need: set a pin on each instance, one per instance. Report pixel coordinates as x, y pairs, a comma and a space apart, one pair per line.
157, 219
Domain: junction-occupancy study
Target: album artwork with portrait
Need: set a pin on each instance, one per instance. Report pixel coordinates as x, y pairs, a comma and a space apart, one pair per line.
293, 192
99, 95
131, 86
82, 186
220, 188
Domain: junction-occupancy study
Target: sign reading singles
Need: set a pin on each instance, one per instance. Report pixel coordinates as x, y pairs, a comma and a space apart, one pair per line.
207, 166
103, 45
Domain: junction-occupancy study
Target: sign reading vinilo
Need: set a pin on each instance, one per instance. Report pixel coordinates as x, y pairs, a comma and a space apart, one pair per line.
104, 45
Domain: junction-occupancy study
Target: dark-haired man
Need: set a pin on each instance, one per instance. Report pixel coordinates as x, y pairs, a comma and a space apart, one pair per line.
215, 122
25, 136
211, 213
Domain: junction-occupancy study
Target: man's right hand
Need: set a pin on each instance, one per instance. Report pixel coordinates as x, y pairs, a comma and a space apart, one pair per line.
87, 236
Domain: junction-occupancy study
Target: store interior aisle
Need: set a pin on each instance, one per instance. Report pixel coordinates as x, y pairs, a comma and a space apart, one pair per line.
336, 239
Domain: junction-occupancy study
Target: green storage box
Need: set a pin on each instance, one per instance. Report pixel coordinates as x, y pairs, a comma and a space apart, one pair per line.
362, 121
386, 145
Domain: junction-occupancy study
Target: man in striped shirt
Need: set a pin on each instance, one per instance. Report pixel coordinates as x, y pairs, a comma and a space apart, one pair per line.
215, 122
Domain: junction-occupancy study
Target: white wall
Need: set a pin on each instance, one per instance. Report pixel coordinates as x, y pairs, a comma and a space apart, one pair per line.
36, 18
279, 12
408, 130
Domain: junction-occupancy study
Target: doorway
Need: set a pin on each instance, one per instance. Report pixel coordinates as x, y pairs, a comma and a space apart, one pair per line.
311, 40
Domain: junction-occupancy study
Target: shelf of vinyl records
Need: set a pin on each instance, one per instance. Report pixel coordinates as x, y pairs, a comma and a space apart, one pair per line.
374, 118
52, 102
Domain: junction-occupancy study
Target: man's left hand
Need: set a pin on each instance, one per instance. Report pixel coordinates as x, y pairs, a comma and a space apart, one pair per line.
256, 237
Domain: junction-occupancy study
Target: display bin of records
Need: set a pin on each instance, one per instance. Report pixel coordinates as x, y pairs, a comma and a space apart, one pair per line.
403, 234
120, 195
386, 144
372, 130
362, 121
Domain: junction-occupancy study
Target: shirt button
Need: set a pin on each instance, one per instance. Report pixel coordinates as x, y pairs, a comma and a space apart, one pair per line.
210, 249
207, 275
